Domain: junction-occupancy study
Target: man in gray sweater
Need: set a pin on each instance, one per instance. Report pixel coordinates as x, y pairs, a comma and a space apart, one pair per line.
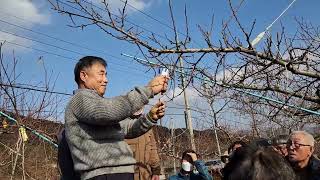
95, 127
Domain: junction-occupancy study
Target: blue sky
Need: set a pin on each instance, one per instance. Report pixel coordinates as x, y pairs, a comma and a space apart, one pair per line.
124, 73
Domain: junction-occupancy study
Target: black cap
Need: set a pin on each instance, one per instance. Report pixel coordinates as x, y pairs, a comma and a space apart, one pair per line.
261, 142
281, 139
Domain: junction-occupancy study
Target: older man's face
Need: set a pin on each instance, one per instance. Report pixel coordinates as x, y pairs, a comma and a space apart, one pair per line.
299, 149
95, 78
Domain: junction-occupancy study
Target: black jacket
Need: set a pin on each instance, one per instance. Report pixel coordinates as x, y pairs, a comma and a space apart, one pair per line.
65, 160
314, 168
311, 172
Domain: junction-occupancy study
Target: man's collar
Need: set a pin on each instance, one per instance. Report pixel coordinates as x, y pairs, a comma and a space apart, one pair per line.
314, 163
85, 89
182, 174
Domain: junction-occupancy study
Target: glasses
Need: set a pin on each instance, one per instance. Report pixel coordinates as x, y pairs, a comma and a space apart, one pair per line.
296, 145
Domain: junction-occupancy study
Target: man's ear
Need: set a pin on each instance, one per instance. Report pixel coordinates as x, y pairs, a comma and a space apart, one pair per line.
83, 76
311, 150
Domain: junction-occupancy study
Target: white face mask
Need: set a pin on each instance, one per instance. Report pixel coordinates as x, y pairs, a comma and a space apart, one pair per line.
186, 166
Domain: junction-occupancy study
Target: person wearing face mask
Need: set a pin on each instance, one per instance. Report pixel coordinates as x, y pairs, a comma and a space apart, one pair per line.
145, 151
191, 168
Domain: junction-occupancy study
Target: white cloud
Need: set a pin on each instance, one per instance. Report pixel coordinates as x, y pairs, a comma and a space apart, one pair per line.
23, 13
11, 38
133, 5
193, 96
26, 10
228, 74
140, 4
311, 58
175, 110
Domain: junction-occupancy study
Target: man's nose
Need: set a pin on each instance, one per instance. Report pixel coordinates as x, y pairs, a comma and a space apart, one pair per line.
290, 147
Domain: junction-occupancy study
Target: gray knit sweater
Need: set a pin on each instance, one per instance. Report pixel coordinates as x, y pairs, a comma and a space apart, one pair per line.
96, 128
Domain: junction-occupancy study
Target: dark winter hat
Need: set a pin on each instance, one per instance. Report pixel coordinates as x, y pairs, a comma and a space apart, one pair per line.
281, 139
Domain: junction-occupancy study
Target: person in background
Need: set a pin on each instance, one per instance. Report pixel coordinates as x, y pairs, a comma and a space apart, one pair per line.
191, 168
145, 151
300, 155
225, 157
234, 146
279, 144
260, 142
254, 162
65, 160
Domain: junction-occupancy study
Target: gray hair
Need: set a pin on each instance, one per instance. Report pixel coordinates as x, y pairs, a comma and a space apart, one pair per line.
308, 137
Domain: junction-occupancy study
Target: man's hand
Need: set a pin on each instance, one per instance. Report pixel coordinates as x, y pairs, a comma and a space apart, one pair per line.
157, 111
155, 177
158, 84
193, 156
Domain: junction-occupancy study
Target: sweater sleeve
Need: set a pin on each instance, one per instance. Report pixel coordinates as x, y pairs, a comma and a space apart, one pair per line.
133, 128
203, 170
90, 108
